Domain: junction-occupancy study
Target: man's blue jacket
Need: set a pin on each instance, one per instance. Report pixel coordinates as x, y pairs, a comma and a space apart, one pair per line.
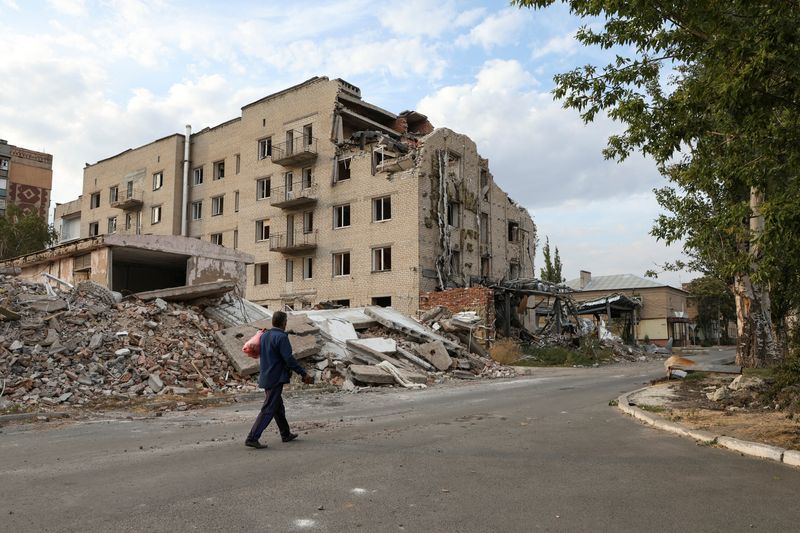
276, 359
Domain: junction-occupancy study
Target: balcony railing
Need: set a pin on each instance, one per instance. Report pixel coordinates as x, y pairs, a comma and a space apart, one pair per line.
300, 150
298, 194
296, 242
128, 200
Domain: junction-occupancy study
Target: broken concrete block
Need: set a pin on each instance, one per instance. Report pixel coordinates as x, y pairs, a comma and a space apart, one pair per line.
161, 304
84, 379
122, 352
436, 354
296, 324
379, 344
370, 374
52, 337
96, 341
155, 383
303, 345
718, 395
231, 341
49, 306
745, 382
64, 397
413, 377
338, 330
322, 365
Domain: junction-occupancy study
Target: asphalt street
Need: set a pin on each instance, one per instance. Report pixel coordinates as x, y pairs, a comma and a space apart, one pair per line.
540, 453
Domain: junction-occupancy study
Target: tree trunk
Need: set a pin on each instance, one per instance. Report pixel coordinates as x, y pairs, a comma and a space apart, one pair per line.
757, 345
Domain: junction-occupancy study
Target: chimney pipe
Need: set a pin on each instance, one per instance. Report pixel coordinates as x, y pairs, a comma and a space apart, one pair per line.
187, 141
586, 277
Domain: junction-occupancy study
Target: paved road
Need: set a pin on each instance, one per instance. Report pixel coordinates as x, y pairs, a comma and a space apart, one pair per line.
543, 453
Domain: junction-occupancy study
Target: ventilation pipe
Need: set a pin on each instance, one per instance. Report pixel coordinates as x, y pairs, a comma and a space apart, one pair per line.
187, 141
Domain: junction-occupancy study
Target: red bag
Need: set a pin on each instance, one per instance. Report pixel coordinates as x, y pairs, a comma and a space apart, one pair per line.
252, 348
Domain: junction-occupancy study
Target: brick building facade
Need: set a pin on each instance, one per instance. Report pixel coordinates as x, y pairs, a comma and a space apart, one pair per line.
26, 179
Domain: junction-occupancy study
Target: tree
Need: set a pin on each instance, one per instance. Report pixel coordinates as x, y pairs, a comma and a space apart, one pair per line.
23, 233
716, 306
552, 266
710, 91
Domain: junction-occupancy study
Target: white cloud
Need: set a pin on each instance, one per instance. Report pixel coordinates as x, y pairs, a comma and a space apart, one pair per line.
11, 4
502, 28
562, 45
69, 7
431, 18
540, 153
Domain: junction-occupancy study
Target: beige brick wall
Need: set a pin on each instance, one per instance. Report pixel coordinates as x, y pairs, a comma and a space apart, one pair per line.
138, 165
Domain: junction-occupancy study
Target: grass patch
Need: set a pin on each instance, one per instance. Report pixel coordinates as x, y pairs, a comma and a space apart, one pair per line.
505, 352
695, 376
652, 408
587, 354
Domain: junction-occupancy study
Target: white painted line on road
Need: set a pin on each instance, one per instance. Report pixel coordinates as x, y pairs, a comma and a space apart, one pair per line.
304, 522
358, 490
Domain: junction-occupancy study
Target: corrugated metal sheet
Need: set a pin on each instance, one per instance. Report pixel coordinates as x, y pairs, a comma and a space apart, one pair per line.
615, 282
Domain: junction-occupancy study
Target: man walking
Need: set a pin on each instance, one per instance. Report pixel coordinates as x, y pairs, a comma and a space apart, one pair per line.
277, 363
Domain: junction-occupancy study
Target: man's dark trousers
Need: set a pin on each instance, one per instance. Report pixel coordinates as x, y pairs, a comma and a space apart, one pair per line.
272, 408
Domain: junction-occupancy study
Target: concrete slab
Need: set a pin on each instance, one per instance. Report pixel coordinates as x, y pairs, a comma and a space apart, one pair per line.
304, 346
234, 311
338, 330
388, 317
379, 344
436, 354
296, 324
370, 375
231, 341
354, 315
189, 292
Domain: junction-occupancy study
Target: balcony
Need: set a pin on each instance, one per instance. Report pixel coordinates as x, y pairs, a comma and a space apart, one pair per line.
298, 151
296, 195
128, 200
295, 243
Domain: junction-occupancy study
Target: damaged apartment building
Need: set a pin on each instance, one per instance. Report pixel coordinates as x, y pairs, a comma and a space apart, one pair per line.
336, 200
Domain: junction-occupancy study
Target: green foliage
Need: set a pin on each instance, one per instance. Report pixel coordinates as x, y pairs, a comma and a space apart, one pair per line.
23, 233
589, 353
711, 92
715, 306
552, 265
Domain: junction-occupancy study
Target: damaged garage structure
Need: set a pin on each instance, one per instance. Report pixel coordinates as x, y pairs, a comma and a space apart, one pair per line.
327, 197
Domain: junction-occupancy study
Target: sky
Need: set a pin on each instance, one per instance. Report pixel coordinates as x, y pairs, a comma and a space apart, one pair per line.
84, 80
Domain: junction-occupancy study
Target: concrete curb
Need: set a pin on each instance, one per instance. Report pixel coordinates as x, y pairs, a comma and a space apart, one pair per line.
753, 449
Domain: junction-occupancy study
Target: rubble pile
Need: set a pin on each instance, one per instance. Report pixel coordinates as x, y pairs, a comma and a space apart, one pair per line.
81, 346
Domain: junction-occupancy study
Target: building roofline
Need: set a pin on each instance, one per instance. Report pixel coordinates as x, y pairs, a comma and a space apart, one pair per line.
132, 149
220, 125
309, 81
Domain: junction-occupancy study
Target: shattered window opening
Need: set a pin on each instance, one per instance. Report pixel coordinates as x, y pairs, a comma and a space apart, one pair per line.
455, 261
382, 259
308, 267
155, 214
290, 270
197, 210
308, 222
112, 225
308, 135
94, 229
219, 170
485, 267
341, 216
158, 180
484, 228
262, 230
382, 209
263, 188
113, 194
513, 231
217, 205
216, 238
128, 221
382, 301
453, 209
94, 202
307, 178
262, 274
265, 148
198, 176
343, 169
341, 264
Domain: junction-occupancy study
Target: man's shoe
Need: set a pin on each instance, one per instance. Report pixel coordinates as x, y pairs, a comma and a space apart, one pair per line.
255, 444
288, 438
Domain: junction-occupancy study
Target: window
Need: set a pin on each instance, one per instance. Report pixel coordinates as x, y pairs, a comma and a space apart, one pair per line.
3, 164
94, 201
238, 163
308, 135
217, 205
341, 264
308, 267
307, 178
262, 274
382, 301
287, 180
484, 178
158, 180
344, 302
155, 214
262, 230
452, 214
235, 239
513, 271
129, 189
219, 170
343, 170
263, 188
216, 238
94, 229
513, 232
265, 148
289, 270
198, 176
382, 259
128, 220
308, 222
485, 268
382, 209
113, 194
197, 210
112, 225
341, 216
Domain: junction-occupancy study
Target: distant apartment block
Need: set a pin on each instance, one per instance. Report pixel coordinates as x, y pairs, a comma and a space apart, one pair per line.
337, 200
26, 179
